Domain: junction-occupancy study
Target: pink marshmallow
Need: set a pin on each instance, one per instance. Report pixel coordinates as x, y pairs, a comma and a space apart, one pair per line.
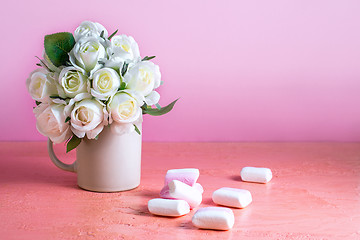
185, 175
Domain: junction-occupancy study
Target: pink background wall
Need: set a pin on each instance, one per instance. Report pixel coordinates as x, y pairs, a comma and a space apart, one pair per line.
245, 70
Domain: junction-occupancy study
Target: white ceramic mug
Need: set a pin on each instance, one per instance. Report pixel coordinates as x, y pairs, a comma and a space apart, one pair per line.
111, 163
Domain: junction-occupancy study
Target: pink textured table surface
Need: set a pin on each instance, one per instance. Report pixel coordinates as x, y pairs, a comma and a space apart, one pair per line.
315, 193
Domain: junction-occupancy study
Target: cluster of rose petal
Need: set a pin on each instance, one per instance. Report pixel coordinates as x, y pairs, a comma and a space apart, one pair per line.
91, 92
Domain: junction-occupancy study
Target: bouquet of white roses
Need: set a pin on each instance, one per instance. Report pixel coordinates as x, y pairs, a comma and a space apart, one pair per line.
89, 80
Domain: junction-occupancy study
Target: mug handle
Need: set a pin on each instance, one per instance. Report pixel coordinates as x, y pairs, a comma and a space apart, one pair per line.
57, 162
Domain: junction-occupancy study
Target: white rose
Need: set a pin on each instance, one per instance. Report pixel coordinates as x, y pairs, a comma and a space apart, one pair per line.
88, 29
106, 82
70, 104
73, 82
124, 108
123, 128
152, 99
88, 117
50, 122
86, 54
122, 49
124, 111
143, 78
41, 86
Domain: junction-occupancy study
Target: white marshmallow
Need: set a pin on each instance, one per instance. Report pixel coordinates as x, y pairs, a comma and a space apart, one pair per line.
217, 218
164, 193
168, 207
180, 190
198, 187
255, 174
185, 175
232, 197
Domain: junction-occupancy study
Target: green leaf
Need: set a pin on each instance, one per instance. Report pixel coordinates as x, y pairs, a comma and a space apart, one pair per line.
73, 143
124, 69
38, 64
57, 46
158, 112
67, 119
37, 103
122, 86
137, 129
113, 34
158, 106
147, 58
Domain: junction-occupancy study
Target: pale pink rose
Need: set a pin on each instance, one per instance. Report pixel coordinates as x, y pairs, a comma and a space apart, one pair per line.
50, 122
